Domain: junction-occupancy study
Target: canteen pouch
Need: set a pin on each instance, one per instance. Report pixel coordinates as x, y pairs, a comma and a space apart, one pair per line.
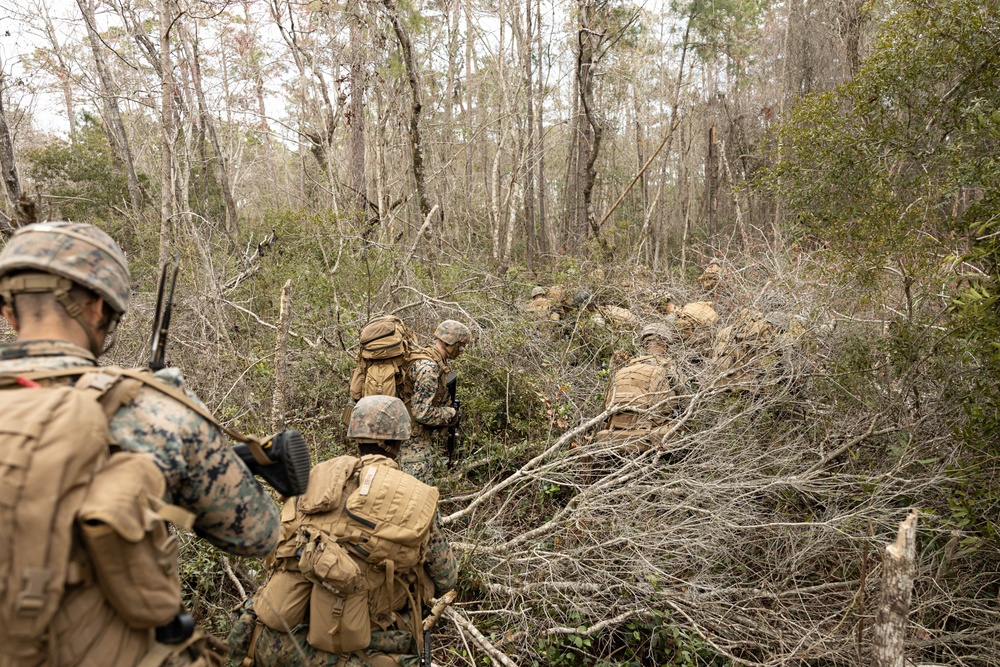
337, 623
123, 522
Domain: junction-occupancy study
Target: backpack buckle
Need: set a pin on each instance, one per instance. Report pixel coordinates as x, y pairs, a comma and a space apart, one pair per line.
31, 599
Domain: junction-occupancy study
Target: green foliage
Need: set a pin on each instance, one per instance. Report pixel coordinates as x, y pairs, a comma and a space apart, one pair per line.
655, 640
881, 167
82, 176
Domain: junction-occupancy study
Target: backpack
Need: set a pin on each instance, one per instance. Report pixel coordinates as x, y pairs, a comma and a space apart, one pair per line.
643, 383
380, 368
351, 554
69, 507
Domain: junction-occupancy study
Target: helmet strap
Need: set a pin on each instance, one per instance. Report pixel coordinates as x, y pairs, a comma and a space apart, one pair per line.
40, 283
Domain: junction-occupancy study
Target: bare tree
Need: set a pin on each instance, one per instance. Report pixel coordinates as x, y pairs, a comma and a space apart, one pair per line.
114, 126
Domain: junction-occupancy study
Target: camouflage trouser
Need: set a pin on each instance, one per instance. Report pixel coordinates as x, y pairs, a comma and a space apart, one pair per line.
280, 649
417, 457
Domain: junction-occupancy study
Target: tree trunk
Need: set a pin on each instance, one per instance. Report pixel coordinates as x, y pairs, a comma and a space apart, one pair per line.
280, 360
208, 125
545, 243
898, 569
529, 173
416, 106
359, 182
11, 181
166, 133
585, 73
114, 126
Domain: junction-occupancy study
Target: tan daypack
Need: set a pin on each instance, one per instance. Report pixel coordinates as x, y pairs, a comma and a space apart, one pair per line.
57, 477
640, 385
385, 343
351, 554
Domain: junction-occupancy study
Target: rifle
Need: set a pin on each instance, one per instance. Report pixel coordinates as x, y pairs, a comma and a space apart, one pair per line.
431, 620
283, 459
161, 318
451, 382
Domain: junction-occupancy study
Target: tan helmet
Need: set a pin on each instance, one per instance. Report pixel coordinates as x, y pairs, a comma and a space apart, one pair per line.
451, 332
379, 418
80, 253
664, 332
538, 291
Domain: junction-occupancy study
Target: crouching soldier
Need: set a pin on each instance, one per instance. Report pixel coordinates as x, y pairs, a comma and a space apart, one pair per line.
359, 557
644, 388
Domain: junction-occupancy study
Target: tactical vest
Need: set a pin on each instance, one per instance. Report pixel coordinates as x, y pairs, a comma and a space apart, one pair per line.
351, 555
441, 397
643, 383
88, 566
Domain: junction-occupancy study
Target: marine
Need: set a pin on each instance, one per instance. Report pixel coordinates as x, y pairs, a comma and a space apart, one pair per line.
276, 629
644, 386
429, 402
64, 288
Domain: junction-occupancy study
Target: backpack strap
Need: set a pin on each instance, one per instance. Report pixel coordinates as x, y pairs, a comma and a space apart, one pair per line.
105, 376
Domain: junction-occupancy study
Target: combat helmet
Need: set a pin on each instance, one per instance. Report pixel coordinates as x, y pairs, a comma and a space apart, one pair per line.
452, 332
664, 332
54, 256
380, 418
538, 291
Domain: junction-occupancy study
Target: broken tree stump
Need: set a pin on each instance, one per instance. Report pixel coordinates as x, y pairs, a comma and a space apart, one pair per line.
898, 568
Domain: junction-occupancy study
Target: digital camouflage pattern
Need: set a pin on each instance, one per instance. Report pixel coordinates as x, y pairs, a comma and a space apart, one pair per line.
379, 418
202, 473
451, 332
82, 253
665, 332
429, 409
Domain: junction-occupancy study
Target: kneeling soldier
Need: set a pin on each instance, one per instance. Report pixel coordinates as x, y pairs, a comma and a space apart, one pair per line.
360, 555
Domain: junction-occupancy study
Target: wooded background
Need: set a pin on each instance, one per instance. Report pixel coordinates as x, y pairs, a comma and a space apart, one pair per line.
441, 159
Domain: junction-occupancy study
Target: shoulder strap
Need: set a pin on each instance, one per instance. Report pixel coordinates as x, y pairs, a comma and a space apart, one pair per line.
110, 374
428, 353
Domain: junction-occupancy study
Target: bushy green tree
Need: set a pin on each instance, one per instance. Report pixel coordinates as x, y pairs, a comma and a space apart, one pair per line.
81, 178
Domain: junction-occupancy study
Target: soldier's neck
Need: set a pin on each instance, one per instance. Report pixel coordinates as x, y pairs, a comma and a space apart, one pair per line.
53, 328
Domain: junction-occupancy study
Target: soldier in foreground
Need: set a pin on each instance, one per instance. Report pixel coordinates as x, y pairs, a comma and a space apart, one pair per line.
645, 384
340, 592
64, 601
430, 403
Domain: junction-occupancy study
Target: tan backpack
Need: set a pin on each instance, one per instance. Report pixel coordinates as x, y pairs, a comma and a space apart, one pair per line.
351, 553
58, 479
643, 383
385, 344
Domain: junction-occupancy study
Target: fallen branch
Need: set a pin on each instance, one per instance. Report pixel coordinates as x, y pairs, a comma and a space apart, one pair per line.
465, 624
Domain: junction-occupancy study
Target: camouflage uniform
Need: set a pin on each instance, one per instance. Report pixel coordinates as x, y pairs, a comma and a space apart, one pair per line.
429, 402
203, 474
429, 408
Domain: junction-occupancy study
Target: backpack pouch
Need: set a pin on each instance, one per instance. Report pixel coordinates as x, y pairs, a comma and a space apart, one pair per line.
338, 624
281, 602
324, 561
380, 380
131, 548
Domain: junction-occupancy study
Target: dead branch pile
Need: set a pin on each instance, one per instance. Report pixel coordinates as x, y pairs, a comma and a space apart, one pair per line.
756, 526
